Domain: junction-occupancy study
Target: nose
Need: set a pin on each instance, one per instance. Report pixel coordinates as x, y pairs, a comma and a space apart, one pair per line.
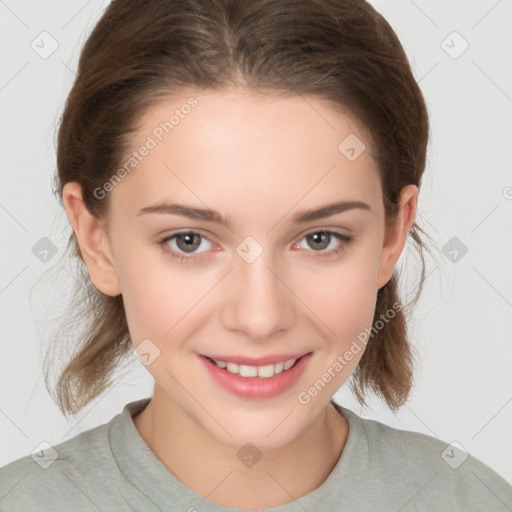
258, 303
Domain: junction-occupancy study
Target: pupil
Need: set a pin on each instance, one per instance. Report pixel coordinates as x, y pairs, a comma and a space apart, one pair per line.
188, 239
320, 237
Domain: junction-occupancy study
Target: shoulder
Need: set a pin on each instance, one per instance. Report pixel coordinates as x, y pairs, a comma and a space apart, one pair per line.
60, 477
429, 470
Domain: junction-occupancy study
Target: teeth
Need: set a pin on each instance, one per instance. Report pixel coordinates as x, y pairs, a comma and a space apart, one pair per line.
232, 367
247, 371
264, 372
279, 367
288, 364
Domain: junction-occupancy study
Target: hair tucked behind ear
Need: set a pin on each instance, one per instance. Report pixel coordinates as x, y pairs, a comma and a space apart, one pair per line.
342, 51
386, 367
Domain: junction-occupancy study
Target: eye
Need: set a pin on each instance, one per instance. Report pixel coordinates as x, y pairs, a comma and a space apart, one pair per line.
319, 240
186, 242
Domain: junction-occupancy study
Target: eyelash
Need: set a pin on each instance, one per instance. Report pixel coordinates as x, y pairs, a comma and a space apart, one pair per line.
182, 258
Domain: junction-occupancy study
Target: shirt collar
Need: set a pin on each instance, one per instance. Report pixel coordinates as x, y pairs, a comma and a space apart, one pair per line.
144, 470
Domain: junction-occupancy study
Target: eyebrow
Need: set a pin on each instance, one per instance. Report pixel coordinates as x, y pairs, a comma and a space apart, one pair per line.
208, 215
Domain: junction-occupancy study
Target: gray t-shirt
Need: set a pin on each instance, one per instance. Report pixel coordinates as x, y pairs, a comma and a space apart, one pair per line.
111, 468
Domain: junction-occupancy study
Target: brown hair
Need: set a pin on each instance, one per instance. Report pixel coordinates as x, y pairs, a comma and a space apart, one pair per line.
139, 52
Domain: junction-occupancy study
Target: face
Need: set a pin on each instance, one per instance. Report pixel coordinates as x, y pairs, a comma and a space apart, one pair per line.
271, 284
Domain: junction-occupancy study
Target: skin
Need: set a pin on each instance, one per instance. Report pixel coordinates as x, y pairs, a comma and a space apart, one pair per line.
258, 160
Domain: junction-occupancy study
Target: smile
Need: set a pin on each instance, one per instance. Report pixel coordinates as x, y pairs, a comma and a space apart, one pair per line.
256, 381
264, 372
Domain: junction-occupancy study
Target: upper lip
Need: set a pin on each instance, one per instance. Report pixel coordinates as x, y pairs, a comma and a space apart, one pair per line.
256, 361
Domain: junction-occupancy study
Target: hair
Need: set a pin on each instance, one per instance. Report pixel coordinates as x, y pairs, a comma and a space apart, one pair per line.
342, 51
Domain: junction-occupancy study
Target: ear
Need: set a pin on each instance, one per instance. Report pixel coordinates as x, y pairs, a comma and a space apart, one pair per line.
92, 239
396, 233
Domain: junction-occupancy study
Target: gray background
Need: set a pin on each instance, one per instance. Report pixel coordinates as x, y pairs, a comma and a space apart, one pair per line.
461, 328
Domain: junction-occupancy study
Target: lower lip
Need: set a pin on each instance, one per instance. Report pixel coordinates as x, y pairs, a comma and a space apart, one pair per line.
255, 387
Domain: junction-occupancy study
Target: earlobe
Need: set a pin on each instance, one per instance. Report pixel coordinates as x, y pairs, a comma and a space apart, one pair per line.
397, 232
92, 239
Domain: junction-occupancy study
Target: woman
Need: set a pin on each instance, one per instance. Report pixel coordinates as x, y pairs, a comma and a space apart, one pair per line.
241, 179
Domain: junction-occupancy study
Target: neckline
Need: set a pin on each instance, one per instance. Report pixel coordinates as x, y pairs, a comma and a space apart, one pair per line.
147, 473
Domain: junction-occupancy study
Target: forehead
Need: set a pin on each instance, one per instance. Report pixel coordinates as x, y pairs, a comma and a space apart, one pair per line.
236, 147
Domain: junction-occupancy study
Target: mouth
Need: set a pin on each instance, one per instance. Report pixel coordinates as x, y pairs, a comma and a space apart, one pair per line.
263, 381
266, 371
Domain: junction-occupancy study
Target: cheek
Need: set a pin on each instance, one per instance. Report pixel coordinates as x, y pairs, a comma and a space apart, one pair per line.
344, 308
344, 300
355, 305
343, 296
156, 295
351, 320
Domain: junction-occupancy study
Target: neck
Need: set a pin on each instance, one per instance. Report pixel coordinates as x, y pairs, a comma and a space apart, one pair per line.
213, 470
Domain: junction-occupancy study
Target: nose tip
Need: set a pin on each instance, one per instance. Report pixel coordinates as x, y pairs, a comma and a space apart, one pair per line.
258, 303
